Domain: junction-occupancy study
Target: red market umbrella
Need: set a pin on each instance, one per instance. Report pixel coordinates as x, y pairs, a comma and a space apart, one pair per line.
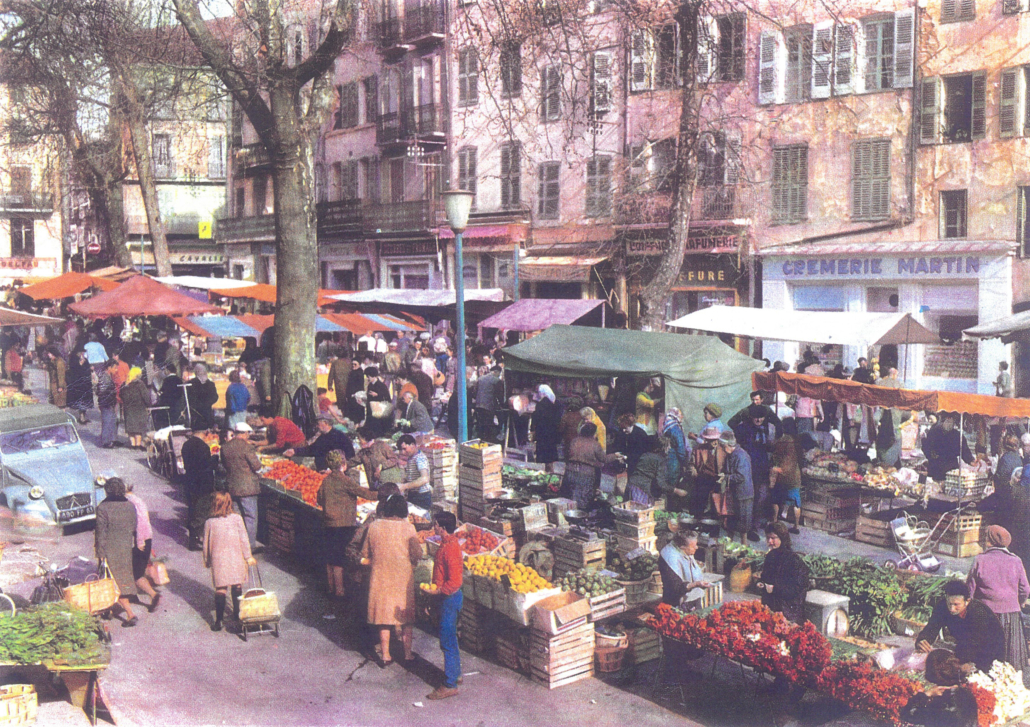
142, 296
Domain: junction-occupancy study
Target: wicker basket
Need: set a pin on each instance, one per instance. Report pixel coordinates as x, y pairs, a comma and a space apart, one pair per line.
636, 591
93, 596
257, 605
610, 659
604, 641
18, 704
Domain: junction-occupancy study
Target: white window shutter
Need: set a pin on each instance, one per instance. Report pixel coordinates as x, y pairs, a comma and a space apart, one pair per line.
863, 49
641, 61
822, 58
772, 55
904, 47
1009, 116
707, 49
601, 84
843, 59
930, 105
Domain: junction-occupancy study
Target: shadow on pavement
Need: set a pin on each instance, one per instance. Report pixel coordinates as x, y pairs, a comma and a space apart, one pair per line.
199, 596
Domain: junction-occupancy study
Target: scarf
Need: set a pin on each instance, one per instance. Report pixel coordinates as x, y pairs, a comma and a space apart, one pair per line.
546, 392
673, 418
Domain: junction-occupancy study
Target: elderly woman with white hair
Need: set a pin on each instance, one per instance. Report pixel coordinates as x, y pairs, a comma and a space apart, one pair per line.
202, 396
545, 427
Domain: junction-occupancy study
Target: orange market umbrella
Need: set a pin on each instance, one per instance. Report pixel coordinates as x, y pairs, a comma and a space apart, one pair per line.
142, 296
67, 285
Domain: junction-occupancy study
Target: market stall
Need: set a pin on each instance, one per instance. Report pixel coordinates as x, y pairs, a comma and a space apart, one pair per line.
67, 285
141, 296
536, 314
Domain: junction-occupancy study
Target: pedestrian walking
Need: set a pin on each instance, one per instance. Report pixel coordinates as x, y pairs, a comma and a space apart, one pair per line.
392, 549
80, 385
227, 554
107, 401
114, 540
136, 407
338, 498
237, 397
58, 371
242, 482
198, 468
144, 549
447, 582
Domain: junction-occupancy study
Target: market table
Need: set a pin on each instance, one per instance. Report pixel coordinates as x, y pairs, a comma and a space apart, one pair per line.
81, 680
288, 524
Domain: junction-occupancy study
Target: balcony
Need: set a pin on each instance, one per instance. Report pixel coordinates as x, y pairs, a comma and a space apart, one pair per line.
710, 204
340, 221
388, 36
388, 128
252, 156
402, 217
423, 22
246, 229
416, 121
26, 204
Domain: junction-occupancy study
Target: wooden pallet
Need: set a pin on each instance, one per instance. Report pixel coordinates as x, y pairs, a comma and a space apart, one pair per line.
563, 659
607, 604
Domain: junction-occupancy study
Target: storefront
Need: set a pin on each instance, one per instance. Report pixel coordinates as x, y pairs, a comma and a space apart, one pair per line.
411, 264
947, 285
345, 266
197, 260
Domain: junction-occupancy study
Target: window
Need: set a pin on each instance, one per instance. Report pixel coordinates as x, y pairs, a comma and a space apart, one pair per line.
655, 58
1011, 7
600, 84
550, 102
718, 160
549, 191
260, 195
879, 54
799, 63
871, 179
21, 180
953, 214
955, 10
371, 84
349, 180
23, 241
467, 170
486, 271
241, 202
790, 183
1014, 108
347, 110
370, 172
599, 187
511, 70
722, 45
511, 176
652, 165
953, 109
216, 157
162, 153
468, 77
1023, 220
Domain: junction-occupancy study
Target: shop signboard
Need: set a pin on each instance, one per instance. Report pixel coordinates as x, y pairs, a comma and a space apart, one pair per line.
884, 267
406, 248
699, 241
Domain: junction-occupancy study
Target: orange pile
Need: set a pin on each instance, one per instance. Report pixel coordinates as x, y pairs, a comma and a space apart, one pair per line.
298, 478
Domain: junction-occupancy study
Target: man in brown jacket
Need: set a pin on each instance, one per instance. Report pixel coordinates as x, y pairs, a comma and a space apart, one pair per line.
241, 468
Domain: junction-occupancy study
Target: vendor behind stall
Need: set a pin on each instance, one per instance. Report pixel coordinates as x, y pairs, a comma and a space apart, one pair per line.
979, 639
583, 462
416, 487
941, 448
683, 580
414, 416
326, 439
374, 456
282, 434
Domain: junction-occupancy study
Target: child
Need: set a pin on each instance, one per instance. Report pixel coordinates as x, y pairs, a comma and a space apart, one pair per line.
447, 582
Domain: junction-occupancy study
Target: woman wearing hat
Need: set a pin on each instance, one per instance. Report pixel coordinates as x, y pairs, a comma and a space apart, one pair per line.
378, 416
712, 414
998, 580
135, 407
709, 462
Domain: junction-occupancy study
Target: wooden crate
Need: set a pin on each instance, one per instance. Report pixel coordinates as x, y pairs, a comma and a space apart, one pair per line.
497, 525
571, 554
534, 516
827, 512
627, 545
829, 526
563, 659
512, 648
635, 530
480, 458
471, 478
607, 605
874, 532
644, 645
845, 497
477, 628
557, 507
633, 512
950, 545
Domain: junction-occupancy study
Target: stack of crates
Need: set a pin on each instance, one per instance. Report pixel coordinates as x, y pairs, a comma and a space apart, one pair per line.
443, 468
479, 478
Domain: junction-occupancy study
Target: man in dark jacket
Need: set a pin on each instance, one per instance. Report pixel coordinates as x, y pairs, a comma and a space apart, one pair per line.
739, 484
756, 435
107, 401
199, 479
942, 448
202, 397
979, 638
241, 469
171, 399
326, 439
424, 384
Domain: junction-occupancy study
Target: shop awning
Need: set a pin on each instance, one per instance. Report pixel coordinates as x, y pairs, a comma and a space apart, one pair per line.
216, 326
11, 317
847, 328
558, 269
1005, 328
142, 296
260, 322
536, 314
925, 247
66, 286
200, 283
265, 293
417, 298
697, 369
852, 392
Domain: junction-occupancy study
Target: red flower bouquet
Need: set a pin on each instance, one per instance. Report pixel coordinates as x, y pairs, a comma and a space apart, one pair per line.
985, 701
866, 687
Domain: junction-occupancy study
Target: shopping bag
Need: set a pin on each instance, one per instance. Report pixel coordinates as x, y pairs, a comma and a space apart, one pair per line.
257, 604
157, 573
94, 595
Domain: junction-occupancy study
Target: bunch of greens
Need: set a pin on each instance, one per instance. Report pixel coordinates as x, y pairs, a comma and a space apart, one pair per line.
51, 631
875, 593
742, 553
923, 593
822, 566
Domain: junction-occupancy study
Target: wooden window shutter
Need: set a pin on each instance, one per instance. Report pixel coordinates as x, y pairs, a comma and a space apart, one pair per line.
979, 120
1011, 7
472, 70
861, 165
550, 106
642, 61
731, 159
949, 10
967, 9
904, 47
1021, 211
1008, 111
822, 59
601, 84
843, 59
881, 188
767, 67
707, 49
929, 110
799, 188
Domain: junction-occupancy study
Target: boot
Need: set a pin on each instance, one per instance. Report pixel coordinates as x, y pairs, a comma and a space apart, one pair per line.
219, 611
237, 591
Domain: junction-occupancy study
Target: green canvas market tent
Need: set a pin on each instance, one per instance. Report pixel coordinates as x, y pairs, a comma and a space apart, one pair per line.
697, 369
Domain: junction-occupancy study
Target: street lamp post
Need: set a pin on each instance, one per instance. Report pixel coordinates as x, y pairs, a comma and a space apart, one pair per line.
458, 204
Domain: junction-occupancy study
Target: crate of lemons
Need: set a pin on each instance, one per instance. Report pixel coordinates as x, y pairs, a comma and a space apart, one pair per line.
507, 587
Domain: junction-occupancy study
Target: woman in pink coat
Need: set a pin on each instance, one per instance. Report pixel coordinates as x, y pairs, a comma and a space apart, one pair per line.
227, 554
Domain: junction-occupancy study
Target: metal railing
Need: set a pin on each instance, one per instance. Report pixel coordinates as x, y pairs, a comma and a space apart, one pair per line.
388, 128
388, 33
422, 20
242, 229
26, 202
340, 220
414, 216
253, 155
409, 122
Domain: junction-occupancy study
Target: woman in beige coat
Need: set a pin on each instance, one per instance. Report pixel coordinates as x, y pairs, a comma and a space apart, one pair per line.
392, 549
227, 554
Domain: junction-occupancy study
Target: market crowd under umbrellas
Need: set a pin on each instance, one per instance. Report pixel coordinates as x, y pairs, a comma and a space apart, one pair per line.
656, 520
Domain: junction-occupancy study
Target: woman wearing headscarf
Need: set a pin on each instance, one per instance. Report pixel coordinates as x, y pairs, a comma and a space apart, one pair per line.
1008, 461
545, 424
378, 404
679, 450
644, 409
352, 408
998, 580
784, 578
135, 407
114, 539
590, 417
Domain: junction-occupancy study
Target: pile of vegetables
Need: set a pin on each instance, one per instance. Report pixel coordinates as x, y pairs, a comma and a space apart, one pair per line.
923, 593
50, 632
742, 552
633, 570
588, 584
822, 566
514, 477
875, 593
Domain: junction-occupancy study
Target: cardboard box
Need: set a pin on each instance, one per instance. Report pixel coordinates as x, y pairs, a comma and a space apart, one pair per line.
557, 614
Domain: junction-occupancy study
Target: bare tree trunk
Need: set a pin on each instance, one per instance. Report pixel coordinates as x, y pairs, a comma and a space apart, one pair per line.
654, 295
296, 253
133, 116
116, 223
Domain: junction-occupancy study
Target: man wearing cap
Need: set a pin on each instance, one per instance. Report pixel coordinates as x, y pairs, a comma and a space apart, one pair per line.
241, 468
712, 413
739, 485
744, 415
326, 439
756, 437
415, 417
709, 462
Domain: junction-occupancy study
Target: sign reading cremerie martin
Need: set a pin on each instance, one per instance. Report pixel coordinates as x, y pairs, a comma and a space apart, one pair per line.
932, 267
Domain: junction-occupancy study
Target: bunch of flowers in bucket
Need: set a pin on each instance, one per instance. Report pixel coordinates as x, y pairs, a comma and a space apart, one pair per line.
750, 633
1008, 699
868, 688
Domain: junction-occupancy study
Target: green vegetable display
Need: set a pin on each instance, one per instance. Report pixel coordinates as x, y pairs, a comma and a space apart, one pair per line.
742, 552
823, 566
633, 570
518, 477
923, 592
587, 584
875, 593
50, 632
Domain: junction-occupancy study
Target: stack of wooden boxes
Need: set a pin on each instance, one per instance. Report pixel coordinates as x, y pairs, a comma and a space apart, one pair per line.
561, 641
572, 554
832, 511
477, 628
479, 478
962, 538
443, 464
634, 528
281, 532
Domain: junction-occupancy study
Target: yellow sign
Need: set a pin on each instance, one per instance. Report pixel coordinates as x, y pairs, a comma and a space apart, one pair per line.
204, 230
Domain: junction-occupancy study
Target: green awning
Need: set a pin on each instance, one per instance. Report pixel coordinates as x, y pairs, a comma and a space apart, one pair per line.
697, 369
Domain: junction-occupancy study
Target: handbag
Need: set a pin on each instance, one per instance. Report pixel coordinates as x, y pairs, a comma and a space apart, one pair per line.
94, 595
157, 572
381, 409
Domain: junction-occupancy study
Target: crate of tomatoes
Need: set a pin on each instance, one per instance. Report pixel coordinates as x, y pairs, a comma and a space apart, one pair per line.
297, 480
475, 540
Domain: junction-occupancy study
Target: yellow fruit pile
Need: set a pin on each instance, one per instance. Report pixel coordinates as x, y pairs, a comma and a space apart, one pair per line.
523, 578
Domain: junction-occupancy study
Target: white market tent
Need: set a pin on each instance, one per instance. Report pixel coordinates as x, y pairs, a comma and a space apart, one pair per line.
199, 283
847, 328
1005, 328
418, 298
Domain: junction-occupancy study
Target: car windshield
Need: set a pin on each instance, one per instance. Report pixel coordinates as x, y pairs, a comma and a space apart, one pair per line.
34, 439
